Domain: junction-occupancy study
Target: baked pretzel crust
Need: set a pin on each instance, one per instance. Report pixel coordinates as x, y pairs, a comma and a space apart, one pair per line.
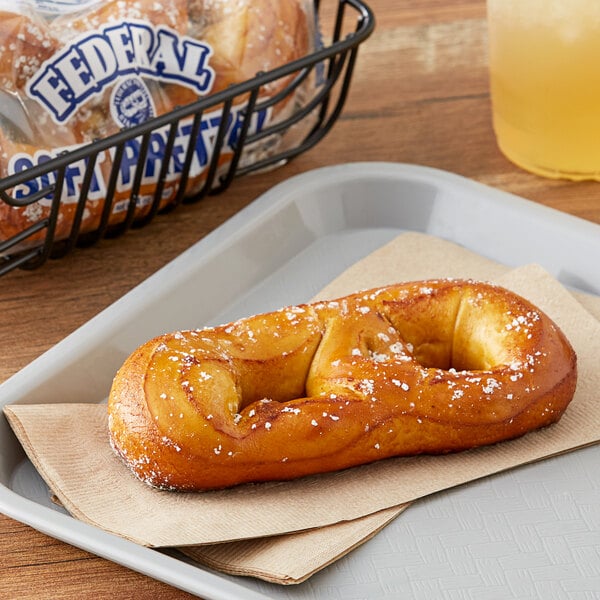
432, 367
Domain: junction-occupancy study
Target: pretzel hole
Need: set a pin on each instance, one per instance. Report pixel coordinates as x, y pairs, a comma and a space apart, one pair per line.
450, 330
268, 357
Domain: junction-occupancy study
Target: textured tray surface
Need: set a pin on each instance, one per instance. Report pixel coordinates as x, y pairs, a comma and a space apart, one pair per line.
527, 533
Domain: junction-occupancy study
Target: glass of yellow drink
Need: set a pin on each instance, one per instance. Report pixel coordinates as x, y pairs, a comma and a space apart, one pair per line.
545, 84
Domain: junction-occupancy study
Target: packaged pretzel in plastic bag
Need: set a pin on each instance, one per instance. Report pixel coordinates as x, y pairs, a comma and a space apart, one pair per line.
75, 72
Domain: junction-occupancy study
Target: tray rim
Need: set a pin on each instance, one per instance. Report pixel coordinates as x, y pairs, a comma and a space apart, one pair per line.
156, 564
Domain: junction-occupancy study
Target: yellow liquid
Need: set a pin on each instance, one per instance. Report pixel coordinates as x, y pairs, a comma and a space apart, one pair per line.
545, 84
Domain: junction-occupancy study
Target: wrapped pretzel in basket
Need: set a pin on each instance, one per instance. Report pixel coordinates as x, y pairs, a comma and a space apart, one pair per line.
72, 73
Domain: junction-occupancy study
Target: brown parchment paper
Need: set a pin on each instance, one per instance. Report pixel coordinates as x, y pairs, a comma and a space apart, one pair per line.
94, 486
293, 558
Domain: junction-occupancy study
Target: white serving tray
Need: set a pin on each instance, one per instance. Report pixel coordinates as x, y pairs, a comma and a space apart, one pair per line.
532, 532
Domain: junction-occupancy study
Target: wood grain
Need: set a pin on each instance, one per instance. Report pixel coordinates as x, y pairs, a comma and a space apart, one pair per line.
419, 95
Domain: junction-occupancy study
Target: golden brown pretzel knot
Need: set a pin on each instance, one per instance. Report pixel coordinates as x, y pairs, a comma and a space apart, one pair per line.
420, 367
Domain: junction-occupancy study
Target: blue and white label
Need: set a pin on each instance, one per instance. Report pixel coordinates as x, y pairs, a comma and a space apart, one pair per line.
93, 62
131, 102
203, 148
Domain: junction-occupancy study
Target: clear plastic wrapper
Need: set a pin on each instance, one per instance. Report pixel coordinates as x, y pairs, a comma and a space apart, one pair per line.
75, 72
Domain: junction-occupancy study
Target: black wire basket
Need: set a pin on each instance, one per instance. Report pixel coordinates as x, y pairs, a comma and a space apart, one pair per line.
332, 64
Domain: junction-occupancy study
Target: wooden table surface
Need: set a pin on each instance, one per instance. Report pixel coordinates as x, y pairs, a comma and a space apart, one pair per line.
419, 95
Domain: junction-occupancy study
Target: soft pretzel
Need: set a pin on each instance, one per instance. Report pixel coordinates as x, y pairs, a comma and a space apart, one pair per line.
251, 36
420, 367
32, 43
